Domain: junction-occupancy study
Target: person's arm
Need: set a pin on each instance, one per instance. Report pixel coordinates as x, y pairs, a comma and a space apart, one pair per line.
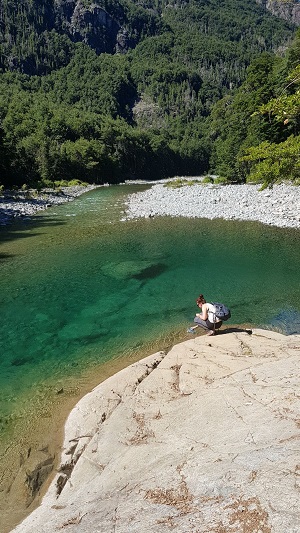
204, 313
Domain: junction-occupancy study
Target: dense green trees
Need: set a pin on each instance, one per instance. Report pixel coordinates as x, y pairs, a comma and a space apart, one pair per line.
256, 133
199, 86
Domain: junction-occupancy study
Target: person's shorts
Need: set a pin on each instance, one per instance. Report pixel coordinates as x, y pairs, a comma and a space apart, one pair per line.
206, 324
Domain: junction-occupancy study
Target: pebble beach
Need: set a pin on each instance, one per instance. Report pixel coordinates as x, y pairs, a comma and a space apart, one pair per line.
277, 206
24, 204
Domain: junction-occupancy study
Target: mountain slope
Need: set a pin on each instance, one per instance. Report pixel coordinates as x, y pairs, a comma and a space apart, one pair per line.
38, 35
116, 89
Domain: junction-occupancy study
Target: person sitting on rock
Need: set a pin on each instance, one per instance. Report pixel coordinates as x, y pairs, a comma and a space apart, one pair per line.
207, 318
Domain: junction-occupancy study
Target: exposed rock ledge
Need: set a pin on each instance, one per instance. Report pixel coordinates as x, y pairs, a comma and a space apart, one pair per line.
202, 439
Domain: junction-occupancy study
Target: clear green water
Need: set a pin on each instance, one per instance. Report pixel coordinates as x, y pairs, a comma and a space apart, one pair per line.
78, 287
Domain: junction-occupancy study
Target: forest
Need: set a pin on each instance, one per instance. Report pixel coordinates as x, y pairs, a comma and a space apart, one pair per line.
114, 90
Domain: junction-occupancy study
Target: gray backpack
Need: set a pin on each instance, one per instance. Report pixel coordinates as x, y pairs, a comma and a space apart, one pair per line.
221, 311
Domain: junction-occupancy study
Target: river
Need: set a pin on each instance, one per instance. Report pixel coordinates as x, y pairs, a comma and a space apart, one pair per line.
83, 294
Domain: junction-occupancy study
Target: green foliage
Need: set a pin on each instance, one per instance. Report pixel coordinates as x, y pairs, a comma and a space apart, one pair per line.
234, 125
220, 180
180, 182
60, 183
257, 130
38, 37
68, 100
75, 183
277, 157
285, 108
269, 162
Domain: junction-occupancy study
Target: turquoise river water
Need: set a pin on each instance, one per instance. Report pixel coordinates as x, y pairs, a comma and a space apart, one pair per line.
79, 287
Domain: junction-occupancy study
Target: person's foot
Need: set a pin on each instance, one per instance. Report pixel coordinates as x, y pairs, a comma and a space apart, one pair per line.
191, 330
210, 332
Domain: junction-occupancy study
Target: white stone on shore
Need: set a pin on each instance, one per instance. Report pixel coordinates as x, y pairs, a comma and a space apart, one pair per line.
203, 438
24, 204
279, 206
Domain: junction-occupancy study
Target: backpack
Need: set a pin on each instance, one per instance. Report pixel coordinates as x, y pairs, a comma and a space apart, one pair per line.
221, 311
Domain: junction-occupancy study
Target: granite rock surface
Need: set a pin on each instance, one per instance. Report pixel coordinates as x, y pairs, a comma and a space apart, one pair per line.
204, 438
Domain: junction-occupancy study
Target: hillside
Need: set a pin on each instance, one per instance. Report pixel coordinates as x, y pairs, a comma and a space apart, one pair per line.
114, 90
38, 36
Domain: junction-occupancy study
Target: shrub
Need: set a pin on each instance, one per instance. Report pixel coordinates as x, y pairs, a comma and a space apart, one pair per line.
179, 182
221, 180
75, 183
208, 179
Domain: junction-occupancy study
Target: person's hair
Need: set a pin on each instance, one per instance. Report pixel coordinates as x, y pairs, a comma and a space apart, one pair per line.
201, 299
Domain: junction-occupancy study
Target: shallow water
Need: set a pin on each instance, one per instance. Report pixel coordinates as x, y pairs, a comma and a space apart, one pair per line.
78, 287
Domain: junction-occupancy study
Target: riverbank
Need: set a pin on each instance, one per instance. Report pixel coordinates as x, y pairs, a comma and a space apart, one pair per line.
24, 204
30, 460
203, 436
32, 463
278, 206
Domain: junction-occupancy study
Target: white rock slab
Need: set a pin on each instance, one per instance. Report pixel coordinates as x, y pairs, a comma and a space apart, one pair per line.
202, 439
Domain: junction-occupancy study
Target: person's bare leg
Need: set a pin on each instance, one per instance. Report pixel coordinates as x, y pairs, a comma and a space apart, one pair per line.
192, 329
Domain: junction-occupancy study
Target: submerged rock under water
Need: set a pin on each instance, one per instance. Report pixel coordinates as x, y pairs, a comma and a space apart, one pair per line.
287, 321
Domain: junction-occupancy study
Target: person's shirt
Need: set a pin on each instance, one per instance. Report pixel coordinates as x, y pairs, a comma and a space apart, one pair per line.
211, 313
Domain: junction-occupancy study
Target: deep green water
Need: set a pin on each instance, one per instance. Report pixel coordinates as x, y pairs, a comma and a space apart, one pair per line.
79, 287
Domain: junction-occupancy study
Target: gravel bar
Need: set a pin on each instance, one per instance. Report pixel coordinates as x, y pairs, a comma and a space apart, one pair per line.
276, 206
23, 204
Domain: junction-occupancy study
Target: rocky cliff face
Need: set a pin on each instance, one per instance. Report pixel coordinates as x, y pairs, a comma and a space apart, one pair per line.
92, 25
288, 10
38, 38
